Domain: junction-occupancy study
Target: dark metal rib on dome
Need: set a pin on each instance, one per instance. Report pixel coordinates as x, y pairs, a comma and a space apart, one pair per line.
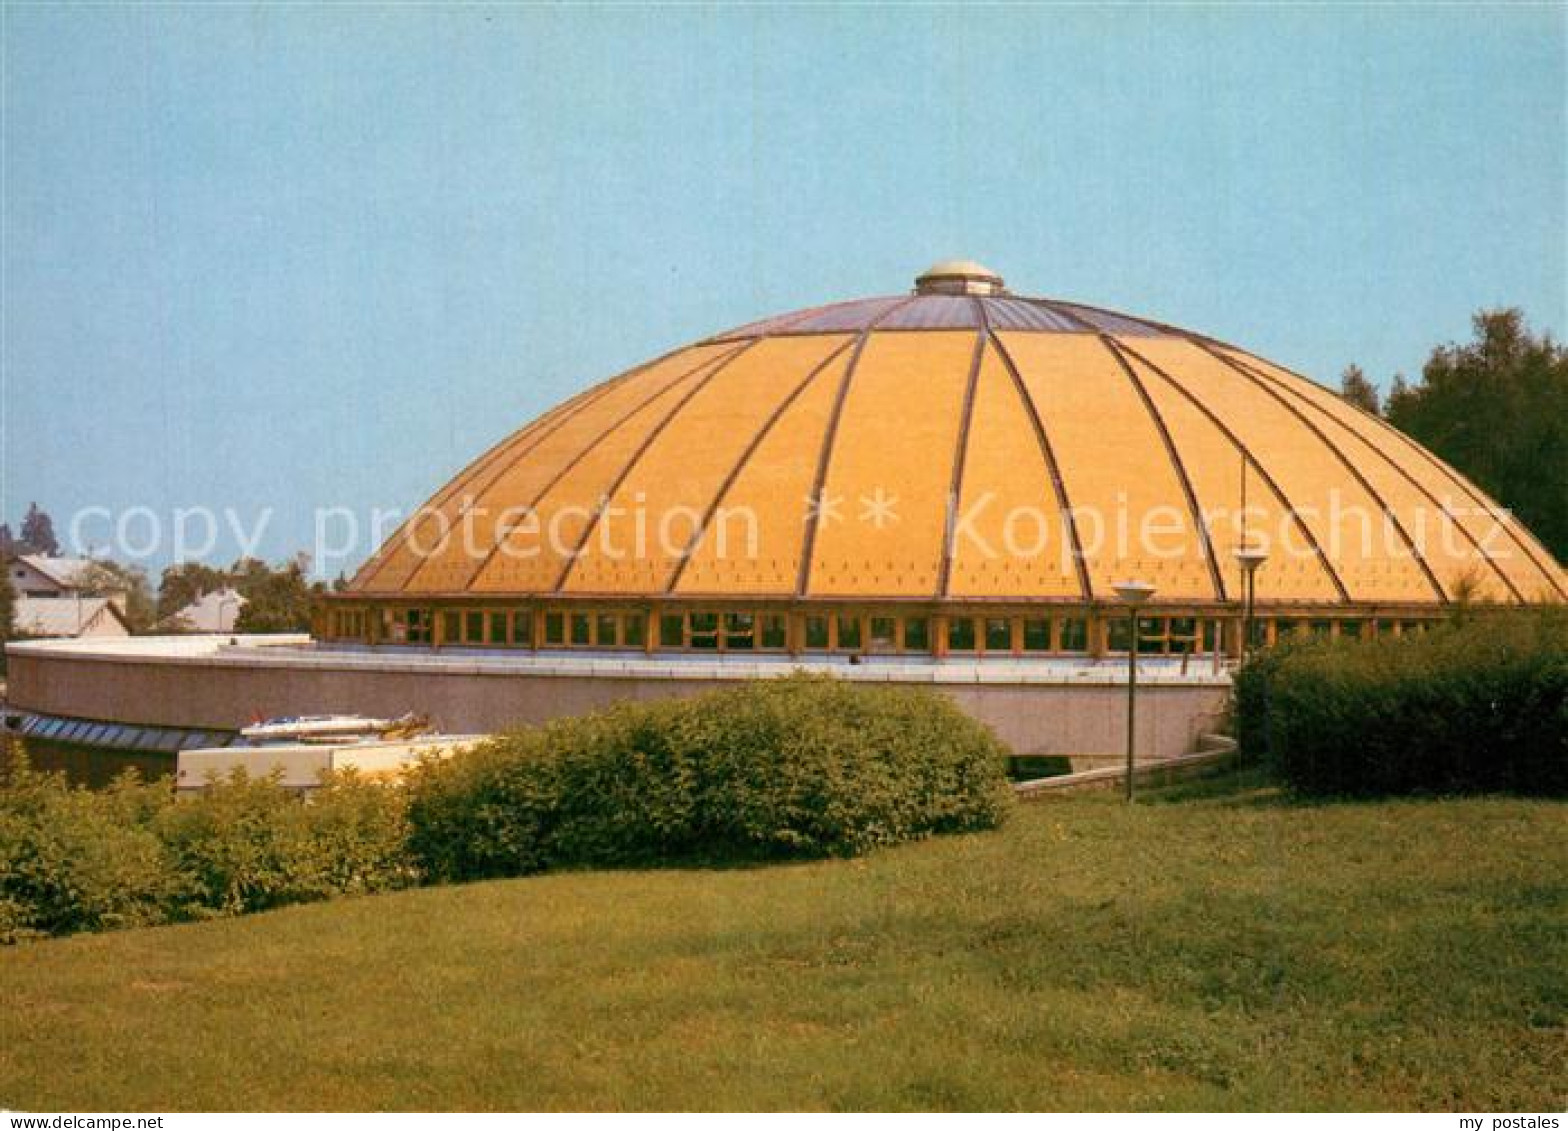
951, 295
947, 312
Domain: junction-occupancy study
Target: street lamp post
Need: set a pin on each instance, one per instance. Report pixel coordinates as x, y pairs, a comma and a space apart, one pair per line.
1250, 558
1133, 594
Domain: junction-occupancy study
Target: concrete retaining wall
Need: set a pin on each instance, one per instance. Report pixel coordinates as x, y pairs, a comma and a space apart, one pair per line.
1054, 707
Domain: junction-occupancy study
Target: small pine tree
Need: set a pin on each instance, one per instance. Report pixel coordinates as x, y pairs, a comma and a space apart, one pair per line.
1355, 388
1399, 398
38, 532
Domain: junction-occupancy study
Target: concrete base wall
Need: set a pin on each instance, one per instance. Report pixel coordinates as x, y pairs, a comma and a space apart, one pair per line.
220, 688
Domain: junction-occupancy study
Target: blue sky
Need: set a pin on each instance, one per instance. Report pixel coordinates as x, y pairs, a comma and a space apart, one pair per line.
298, 257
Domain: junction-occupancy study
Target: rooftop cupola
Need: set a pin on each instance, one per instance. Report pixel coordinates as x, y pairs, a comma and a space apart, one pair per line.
959, 277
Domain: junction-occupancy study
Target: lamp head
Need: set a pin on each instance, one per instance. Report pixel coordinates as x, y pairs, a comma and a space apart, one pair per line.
1251, 557
1133, 592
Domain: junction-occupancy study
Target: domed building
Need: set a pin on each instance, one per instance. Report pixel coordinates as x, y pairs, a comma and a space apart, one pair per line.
954, 472
951, 488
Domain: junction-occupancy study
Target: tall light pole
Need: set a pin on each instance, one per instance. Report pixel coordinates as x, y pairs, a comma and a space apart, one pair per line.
1250, 558
1133, 594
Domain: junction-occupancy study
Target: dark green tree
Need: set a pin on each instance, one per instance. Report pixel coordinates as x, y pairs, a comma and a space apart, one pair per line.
1398, 399
187, 582
1497, 409
1355, 388
7, 605
276, 600
38, 532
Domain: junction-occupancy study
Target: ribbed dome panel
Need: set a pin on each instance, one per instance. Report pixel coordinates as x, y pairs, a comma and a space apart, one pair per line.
883, 449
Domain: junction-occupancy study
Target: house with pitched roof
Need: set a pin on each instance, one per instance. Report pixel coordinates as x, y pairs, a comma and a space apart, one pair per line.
69, 616
51, 601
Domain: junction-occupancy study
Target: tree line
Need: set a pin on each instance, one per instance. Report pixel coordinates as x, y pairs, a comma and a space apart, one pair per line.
1496, 409
277, 598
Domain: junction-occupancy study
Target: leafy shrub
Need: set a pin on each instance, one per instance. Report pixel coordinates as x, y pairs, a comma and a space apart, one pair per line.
796, 767
74, 859
800, 766
248, 844
1477, 705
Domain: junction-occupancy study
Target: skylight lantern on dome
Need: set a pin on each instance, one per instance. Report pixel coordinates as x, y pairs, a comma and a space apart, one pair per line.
959, 277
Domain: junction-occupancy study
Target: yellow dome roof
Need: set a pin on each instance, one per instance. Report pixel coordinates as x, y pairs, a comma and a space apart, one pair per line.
844, 431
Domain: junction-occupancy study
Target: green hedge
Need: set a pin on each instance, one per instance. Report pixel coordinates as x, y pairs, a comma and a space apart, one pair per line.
793, 767
1478, 705
79, 860
799, 766
250, 845
74, 859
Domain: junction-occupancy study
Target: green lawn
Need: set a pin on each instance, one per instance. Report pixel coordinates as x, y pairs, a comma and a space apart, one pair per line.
1213, 949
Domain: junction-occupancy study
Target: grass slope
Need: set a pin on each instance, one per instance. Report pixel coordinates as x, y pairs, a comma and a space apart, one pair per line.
1217, 949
